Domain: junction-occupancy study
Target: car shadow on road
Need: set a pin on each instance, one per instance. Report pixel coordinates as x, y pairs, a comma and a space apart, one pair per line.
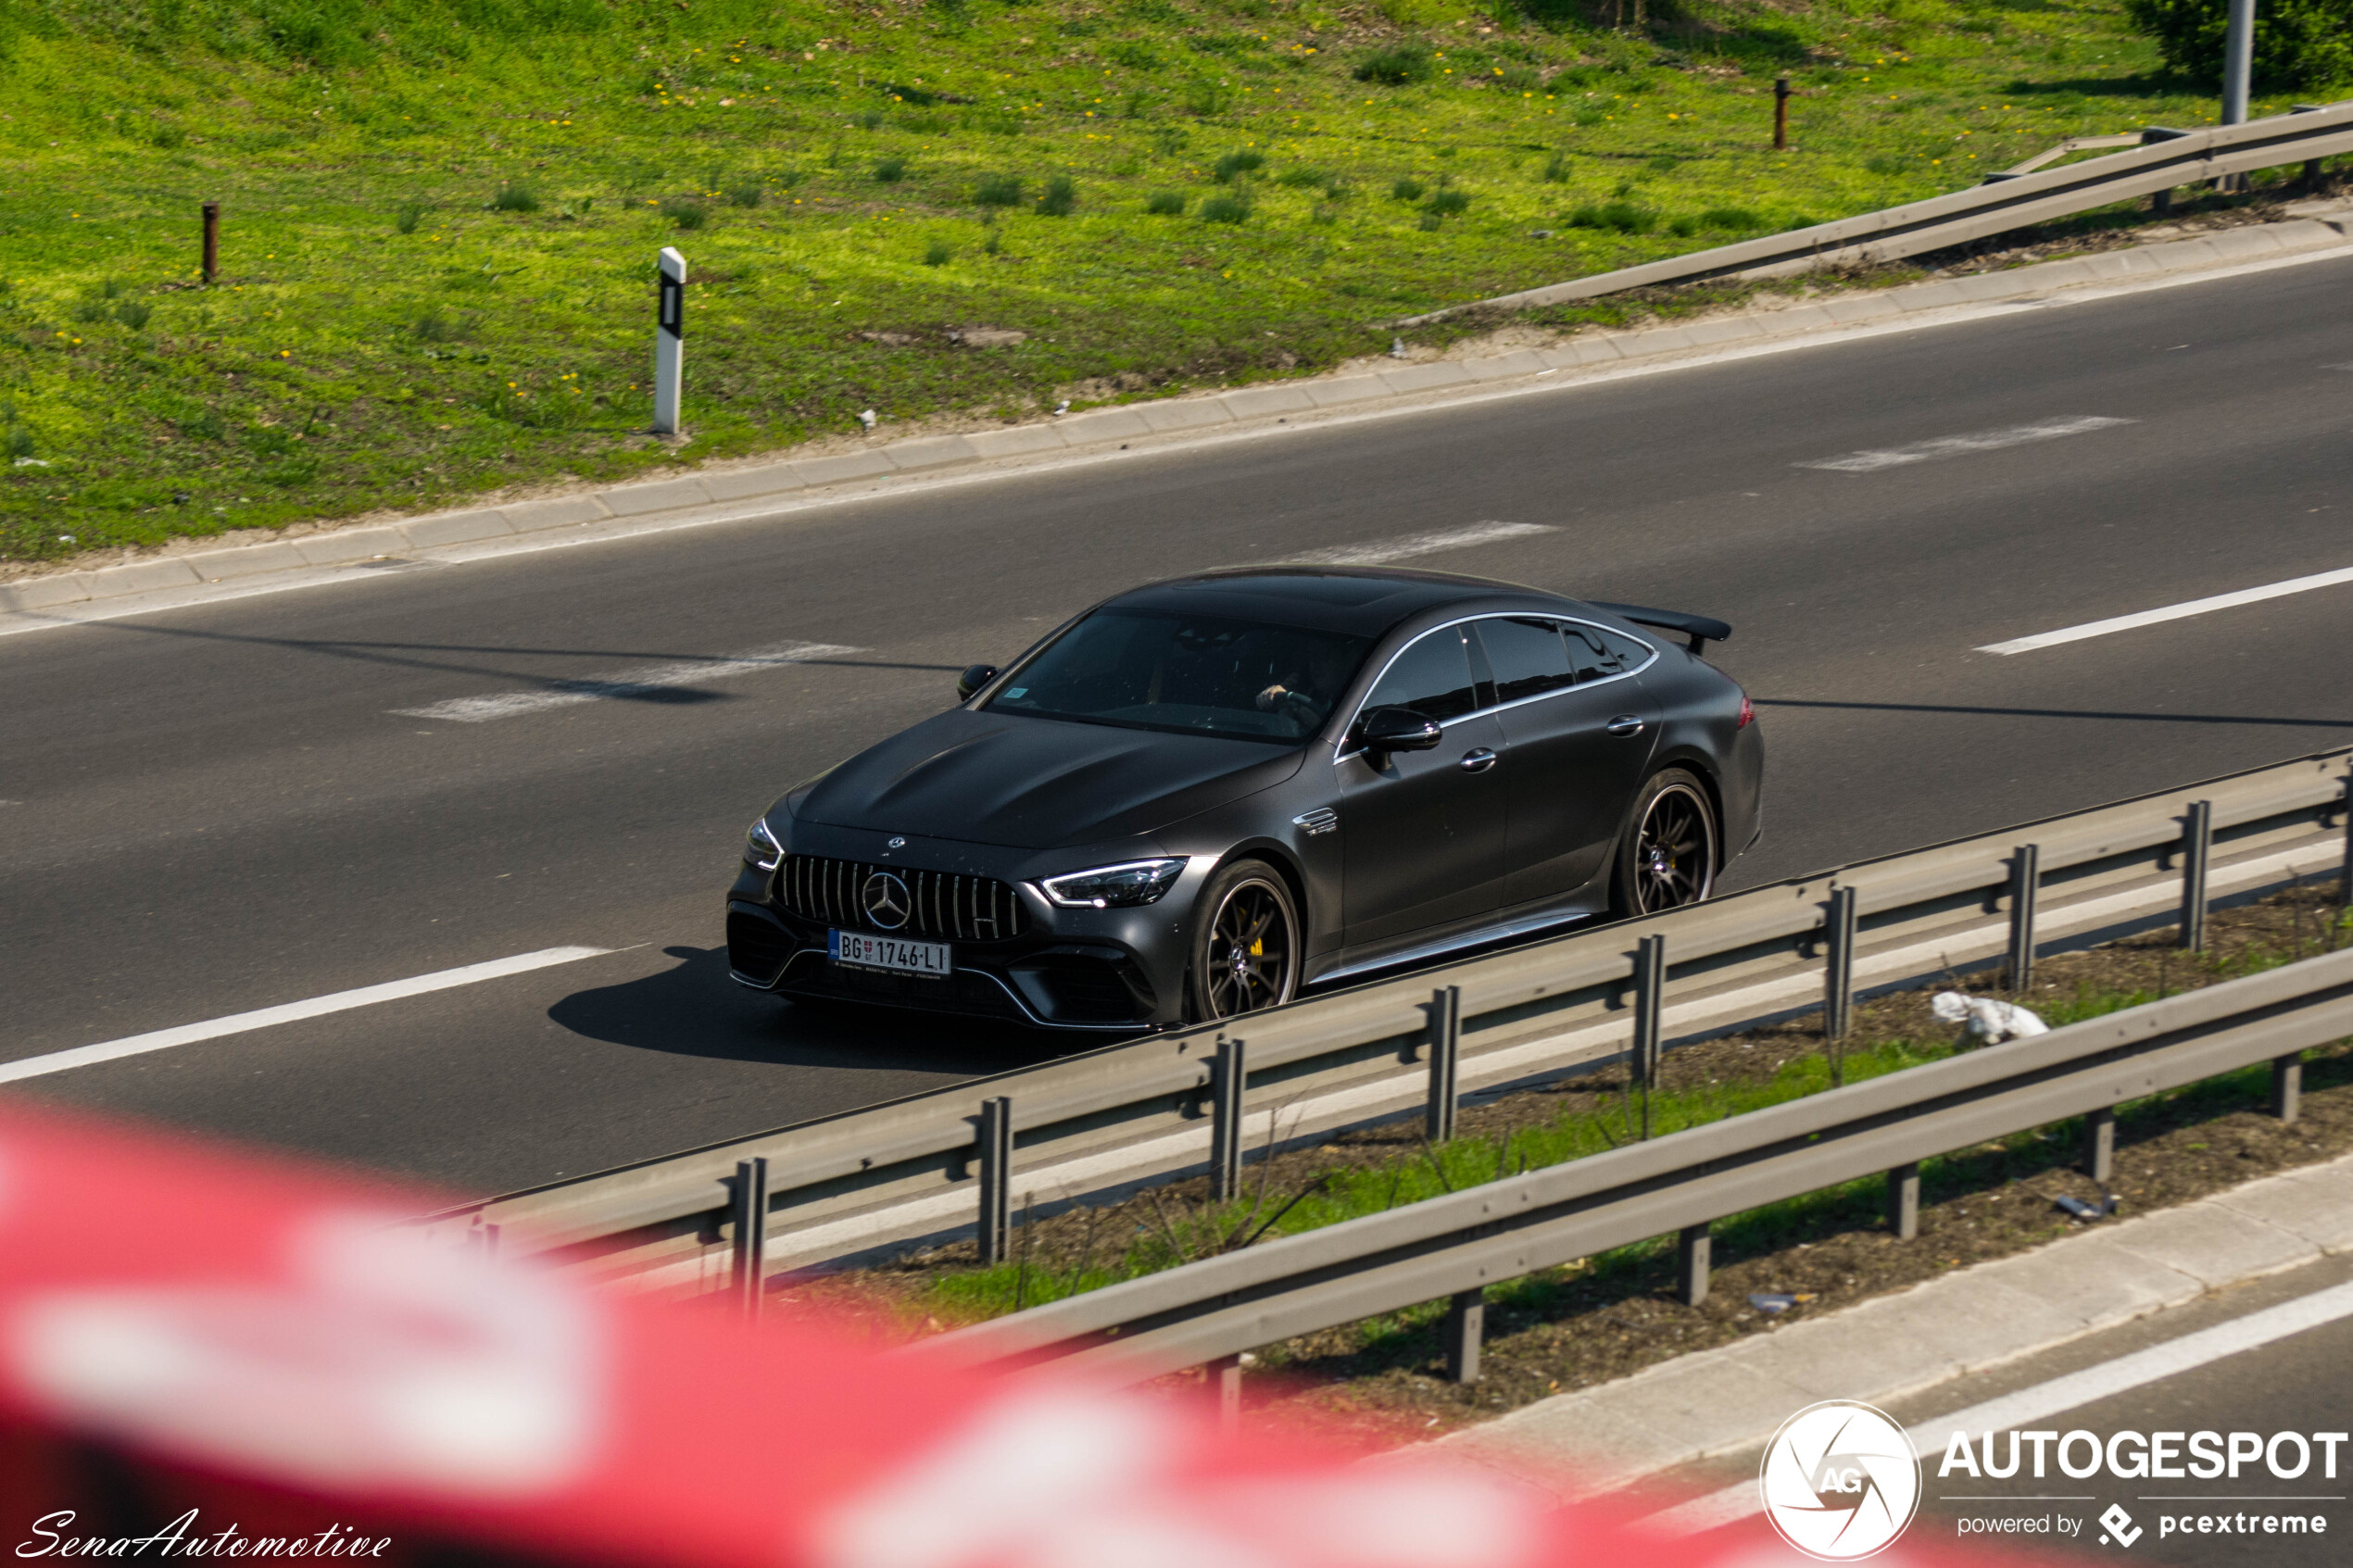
692, 1009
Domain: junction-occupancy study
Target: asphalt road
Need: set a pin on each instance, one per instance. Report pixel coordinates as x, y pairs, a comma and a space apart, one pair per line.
226, 807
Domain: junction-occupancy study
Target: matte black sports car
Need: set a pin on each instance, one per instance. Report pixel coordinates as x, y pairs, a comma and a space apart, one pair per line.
1198, 797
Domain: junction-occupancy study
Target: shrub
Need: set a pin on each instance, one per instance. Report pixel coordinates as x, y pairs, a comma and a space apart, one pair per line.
2297, 42
1623, 216
890, 171
745, 192
1225, 167
685, 214
1406, 190
1224, 208
132, 313
1733, 218
937, 255
513, 198
1448, 204
1165, 203
410, 216
998, 190
1061, 197
1299, 178
1396, 66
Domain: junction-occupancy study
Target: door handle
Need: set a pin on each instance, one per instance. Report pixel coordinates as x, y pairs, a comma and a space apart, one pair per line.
1477, 761
1624, 724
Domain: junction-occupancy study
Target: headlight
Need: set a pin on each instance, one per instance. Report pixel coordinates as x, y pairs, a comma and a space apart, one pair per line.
1113, 887
761, 847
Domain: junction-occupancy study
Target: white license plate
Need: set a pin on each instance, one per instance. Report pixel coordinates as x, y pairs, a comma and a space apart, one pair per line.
863, 951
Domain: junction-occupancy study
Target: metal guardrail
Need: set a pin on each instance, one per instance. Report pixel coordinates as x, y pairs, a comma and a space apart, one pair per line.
933, 1163
2165, 159
1457, 1245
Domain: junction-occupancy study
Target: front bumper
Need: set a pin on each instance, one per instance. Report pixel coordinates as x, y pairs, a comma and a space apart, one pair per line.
1016, 957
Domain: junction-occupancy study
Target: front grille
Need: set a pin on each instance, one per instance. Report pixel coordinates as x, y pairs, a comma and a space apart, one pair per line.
948, 906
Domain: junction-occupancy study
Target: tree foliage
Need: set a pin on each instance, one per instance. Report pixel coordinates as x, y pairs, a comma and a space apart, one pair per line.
2297, 42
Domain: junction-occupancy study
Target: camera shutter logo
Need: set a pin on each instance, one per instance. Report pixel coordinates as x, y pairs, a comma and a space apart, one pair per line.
1839, 1481
886, 901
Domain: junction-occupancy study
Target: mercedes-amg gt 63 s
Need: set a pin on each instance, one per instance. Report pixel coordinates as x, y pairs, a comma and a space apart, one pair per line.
1198, 797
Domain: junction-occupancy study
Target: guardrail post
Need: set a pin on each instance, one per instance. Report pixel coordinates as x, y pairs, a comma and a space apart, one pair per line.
2345, 875
1838, 976
751, 1196
2099, 1144
996, 1178
1466, 1329
2287, 1086
1228, 1076
1224, 1375
1650, 987
1694, 1251
2197, 848
1445, 1061
1903, 1202
2026, 885
2311, 164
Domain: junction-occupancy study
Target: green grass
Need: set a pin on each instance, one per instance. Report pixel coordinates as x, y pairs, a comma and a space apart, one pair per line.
513, 166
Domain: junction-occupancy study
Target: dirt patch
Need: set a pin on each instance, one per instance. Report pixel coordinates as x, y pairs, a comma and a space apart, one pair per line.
1602, 1317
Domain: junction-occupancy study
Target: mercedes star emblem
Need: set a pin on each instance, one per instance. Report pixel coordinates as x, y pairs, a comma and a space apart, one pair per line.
886, 901
896, 844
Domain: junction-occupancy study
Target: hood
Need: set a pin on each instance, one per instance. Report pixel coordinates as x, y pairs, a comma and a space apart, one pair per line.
1038, 784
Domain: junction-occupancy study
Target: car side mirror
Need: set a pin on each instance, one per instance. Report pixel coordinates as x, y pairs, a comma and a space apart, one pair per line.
972, 679
1398, 728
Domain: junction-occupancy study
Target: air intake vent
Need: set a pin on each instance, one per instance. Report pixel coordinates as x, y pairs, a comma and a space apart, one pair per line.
943, 906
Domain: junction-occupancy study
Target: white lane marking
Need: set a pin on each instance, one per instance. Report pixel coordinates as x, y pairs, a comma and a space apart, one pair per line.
1957, 446
290, 1012
2171, 613
2045, 1400
620, 684
1381, 551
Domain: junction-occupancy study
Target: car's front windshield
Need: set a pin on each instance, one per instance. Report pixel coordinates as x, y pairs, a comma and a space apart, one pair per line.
1192, 674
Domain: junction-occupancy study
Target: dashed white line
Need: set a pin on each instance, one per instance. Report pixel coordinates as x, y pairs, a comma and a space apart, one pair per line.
644, 680
2171, 613
1379, 552
1957, 445
2044, 1400
290, 1012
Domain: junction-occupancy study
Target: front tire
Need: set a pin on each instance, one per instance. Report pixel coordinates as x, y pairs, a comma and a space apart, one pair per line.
1246, 944
1671, 851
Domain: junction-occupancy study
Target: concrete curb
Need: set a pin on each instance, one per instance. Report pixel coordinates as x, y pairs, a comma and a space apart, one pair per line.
1732, 1398
175, 579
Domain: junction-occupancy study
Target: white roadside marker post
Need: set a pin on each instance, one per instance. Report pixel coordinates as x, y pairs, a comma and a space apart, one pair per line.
669, 340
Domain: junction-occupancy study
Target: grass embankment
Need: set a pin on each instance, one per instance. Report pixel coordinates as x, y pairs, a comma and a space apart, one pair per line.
1605, 1316
440, 217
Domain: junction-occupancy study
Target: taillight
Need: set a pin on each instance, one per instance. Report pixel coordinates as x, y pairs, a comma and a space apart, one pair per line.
1748, 713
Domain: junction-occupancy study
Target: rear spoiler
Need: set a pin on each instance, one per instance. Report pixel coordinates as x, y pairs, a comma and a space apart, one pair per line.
1698, 628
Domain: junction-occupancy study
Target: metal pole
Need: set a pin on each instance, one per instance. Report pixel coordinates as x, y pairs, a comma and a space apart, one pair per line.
1695, 1249
2197, 847
2099, 1144
1781, 113
1466, 1328
1228, 1073
752, 1232
1838, 977
211, 241
996, 1177
1446, 1058
2238, 55
669, 340
2026, 882
2287, 1086
2345, 875
1650, 986
1903, 1202
1225, 1386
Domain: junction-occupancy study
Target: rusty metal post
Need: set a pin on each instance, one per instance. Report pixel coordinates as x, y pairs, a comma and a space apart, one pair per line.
211, 241
1781, 113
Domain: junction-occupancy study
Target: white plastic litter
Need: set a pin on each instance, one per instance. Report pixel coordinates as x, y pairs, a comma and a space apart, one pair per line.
867, 418
1996, 1021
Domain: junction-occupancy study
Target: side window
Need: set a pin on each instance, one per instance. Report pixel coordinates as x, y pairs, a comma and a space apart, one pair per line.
1597, 653
1527, 656
1432, 677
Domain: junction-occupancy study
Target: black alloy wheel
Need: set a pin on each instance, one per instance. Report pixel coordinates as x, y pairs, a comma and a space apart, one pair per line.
1246, 948
1668, 857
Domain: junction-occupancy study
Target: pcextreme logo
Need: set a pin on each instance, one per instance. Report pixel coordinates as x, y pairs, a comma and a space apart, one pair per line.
1839, 1480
